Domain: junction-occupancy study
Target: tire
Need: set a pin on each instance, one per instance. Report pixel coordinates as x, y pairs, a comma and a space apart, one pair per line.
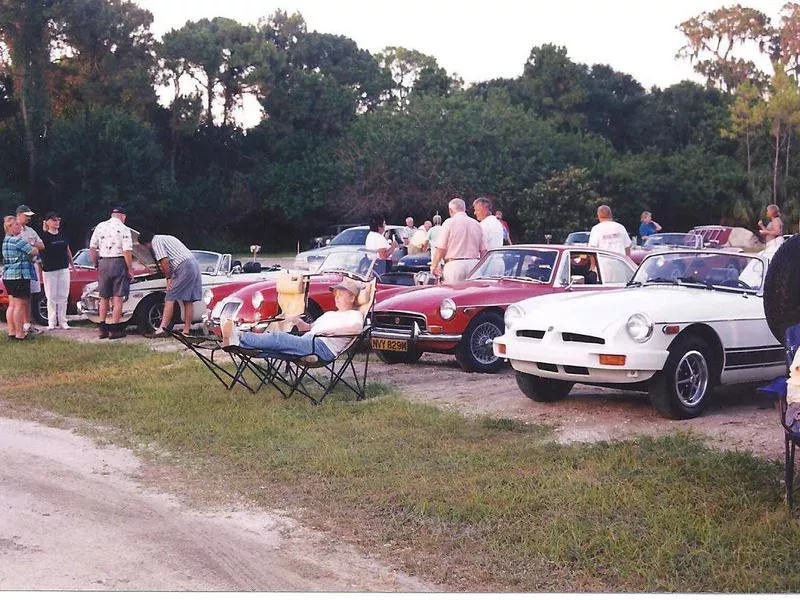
541, 389
782, 288
148, 314
392, 357
39, 308
473, 353
681, 390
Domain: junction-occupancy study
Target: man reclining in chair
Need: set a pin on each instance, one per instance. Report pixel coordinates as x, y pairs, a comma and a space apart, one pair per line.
345, 320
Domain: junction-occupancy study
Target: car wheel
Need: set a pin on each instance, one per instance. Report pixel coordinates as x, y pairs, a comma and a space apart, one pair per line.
393, 357
782, 288
148, 314
682, 389
39, 308
474, 351
541, 389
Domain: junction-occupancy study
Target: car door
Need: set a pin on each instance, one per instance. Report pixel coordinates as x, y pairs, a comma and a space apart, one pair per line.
614, 270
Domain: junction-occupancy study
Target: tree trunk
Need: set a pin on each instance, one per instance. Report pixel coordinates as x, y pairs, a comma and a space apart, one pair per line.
749, 161
210, 92
788, 151
775, 167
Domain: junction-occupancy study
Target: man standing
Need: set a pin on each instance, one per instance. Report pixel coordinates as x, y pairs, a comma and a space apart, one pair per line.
18, 273
460, 244
506, 230
608, 234
376, 241
113, 243
419, 242
408, 231
648, 227
182, 271
435, 231
490, 225
24, 214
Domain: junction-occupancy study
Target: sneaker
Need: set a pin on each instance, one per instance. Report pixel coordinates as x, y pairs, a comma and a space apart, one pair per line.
65, 326
29, 328
51, 327
230, 333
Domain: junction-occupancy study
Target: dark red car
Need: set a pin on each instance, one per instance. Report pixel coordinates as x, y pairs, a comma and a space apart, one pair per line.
464, 318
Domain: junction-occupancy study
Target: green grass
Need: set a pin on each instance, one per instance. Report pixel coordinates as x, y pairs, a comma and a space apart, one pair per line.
474, 504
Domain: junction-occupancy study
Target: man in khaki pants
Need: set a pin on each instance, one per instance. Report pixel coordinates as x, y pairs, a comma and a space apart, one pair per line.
460, 244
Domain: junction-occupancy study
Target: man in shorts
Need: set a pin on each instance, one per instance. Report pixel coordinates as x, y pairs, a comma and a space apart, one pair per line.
182, 271
111, 249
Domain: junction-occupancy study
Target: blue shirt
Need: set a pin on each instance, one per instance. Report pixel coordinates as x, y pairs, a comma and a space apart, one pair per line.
17, 259
646, 229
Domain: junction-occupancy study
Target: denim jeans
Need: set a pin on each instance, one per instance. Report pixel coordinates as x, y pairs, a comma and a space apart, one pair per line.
286, 343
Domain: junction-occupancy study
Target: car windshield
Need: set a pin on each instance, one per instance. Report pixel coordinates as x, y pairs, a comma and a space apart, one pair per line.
350, 237
707, 269
532, 265
83, 259
577, 237
358, 262
680, 240
207, 260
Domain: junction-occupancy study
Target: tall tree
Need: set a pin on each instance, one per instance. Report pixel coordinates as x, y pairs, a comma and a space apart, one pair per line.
748, 113
555, 87
783, 113
411, 68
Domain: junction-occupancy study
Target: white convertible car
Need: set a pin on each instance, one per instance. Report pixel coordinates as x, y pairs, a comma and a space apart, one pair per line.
144, 305
688, 320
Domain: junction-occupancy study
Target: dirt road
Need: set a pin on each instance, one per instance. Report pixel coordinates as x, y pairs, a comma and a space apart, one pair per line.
75, 516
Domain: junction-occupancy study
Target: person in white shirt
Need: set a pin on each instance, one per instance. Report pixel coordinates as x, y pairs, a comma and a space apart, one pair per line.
433, 232
408, 231
345, 321
608, 234
491, 226
418, 244
377, 242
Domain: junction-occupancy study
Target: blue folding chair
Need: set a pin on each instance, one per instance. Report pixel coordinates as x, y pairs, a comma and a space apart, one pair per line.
778, 388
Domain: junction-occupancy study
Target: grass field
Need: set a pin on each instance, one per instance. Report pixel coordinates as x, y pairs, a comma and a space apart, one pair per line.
471, 503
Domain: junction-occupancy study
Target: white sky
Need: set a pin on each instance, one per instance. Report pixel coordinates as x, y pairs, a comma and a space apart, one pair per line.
484, 40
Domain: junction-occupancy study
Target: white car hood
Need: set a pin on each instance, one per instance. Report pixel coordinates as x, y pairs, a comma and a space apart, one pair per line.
595, 313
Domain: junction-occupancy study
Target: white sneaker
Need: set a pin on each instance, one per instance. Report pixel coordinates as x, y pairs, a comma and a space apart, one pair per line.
65, 326
51, 327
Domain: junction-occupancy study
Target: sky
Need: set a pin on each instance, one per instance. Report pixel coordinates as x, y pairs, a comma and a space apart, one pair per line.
489, 39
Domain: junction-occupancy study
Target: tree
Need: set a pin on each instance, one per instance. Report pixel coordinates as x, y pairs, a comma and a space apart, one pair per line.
713, 37
413, 70
783, 113
747, 112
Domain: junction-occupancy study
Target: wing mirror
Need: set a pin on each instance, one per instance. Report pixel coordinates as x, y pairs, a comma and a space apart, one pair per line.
577, 280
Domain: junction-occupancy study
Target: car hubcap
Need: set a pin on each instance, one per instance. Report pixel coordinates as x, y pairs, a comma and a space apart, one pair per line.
481, 343
43, 308
691, 378
155, 315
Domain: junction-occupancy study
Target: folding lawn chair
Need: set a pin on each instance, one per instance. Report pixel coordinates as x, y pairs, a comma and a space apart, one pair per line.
292, 292
778, 388
308, 375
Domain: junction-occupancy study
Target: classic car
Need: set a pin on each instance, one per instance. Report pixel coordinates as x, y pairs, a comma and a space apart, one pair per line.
577, 237
250, 304
666, 241
349, 239
415, 263
144, 305
722, 236
322, 240
463, 318
687, 321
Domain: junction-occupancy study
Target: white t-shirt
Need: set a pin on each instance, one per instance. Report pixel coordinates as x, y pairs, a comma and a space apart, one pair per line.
493, 232
611, 236
376, 241
338, 322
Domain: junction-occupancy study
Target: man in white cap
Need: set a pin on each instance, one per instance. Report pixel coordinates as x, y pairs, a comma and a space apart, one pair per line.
345, 320
24, 214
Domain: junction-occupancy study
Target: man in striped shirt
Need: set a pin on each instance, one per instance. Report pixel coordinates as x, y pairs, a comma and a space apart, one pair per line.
182, 271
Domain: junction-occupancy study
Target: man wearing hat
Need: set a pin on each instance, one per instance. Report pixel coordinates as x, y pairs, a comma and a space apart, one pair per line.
111, 249
24, 214
345, 320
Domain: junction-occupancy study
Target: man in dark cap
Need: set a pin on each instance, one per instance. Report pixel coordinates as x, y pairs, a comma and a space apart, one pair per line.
113, 244
24, 214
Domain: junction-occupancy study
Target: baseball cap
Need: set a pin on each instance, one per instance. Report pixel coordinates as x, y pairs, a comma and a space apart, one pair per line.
347, 285
118, 209
52, 215
24, 208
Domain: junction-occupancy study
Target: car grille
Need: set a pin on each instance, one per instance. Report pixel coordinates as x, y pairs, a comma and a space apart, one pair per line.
398, 321
91, 303
579, 337
229, 311
536, 334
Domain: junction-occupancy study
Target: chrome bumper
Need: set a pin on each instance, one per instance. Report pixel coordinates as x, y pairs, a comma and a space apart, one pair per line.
422, 336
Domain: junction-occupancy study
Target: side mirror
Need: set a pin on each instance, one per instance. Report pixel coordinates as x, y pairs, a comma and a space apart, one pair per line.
328, 242
577, 280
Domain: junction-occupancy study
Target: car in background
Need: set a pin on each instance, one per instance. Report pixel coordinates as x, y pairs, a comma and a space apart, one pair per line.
252, 304
415, 263
687, 321
144, 305
722, 236
330, 232
352, 238
577, 237
463, 318
666, 241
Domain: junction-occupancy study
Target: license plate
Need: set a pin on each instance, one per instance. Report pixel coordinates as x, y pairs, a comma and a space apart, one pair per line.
393, 345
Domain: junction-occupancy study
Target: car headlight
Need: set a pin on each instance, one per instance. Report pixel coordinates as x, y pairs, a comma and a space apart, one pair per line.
447, 309
257, 300
640, 327
208, 297
513, 314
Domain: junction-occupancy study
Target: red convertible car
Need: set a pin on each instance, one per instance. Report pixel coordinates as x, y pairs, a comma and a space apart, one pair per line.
251, 304
464, 318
